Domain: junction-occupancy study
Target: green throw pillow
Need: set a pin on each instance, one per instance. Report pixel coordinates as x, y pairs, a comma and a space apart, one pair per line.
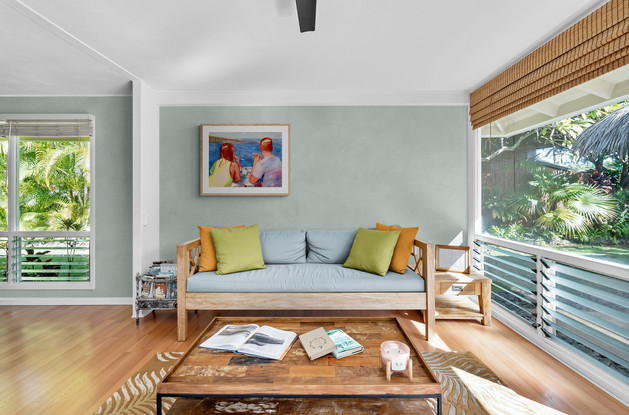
237, 249
372, 251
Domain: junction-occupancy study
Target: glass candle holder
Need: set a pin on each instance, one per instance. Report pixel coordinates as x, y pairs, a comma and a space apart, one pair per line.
395, 352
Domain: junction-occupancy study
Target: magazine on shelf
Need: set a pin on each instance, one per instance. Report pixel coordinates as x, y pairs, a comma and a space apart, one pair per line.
317, 343
252, 340
345, 345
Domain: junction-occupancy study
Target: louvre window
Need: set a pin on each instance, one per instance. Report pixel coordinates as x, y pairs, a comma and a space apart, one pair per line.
513, 279
587, 312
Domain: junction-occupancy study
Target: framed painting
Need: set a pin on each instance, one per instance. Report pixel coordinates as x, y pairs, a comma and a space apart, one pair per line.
452, 258
245, 159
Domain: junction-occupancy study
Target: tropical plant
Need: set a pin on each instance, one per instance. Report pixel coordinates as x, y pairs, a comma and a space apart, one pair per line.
553, 202
559, 135
54, 185
4, 189
608, 138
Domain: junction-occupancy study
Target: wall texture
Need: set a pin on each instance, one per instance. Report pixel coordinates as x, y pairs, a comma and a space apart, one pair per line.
113, 188
350, 167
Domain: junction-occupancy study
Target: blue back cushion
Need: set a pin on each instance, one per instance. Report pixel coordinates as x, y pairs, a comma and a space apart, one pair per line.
329, 247
283, 247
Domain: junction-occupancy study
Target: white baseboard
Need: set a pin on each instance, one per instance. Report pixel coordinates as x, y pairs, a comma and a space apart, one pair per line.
589, 371
66, 301
141, 314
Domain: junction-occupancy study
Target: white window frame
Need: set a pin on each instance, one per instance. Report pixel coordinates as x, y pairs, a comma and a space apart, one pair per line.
588, 370
12, 165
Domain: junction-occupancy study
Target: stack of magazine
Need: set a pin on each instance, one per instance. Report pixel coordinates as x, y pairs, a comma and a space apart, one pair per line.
252, 340
318, 343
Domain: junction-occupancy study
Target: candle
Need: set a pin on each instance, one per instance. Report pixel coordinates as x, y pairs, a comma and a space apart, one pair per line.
395, 352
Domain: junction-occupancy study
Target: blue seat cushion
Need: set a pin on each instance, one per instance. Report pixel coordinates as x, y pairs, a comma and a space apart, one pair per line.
304, 278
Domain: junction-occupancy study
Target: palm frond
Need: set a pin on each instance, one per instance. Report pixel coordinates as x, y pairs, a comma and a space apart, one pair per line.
565, 221
608, 136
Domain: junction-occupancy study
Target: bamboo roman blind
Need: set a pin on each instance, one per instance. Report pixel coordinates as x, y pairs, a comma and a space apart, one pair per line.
592, 47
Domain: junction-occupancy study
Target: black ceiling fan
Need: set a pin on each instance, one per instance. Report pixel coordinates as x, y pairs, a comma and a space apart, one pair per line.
307, 13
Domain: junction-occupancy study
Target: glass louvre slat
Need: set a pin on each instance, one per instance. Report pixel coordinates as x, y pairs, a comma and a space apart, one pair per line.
617, 344
611, 282
504, 251
588, 303
512, 279
614, 328
591, 312
56, 263
52, 271
586, 355
593, 291
518, 278
530, 273
508, 263
587, 343
57, 248
49, 259
502, 282
512, 304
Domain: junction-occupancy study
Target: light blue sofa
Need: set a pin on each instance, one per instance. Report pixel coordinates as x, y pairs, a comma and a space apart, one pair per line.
304, 272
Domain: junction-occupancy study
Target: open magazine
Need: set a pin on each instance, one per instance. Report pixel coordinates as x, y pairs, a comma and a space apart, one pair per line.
250, 339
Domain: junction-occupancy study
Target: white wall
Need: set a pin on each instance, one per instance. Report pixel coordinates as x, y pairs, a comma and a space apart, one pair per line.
145, 178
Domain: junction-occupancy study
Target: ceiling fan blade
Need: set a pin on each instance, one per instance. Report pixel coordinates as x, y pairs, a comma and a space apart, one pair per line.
307, 13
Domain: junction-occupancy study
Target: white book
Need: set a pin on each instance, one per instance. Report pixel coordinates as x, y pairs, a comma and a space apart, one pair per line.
252, 340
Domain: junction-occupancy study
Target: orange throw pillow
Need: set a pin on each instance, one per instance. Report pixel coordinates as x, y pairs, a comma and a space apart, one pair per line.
403, 248
207, 261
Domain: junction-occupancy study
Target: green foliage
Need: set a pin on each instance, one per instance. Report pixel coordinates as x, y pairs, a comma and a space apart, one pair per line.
54, 185
551, 202
557, 206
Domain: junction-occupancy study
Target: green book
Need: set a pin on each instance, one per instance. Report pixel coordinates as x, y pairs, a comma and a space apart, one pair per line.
345, 345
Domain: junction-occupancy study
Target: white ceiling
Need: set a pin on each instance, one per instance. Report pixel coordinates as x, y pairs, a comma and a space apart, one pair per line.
89, 47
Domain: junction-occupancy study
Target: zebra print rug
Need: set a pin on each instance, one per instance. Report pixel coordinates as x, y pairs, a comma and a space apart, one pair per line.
469, 388
137, 395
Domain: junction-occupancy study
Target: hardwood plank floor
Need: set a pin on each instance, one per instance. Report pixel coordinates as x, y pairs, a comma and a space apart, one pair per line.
69, 359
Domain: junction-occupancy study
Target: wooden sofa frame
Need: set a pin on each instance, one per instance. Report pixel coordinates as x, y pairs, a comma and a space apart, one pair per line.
188, 255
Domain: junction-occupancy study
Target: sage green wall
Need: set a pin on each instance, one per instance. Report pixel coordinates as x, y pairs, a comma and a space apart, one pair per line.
113, 189
350, 167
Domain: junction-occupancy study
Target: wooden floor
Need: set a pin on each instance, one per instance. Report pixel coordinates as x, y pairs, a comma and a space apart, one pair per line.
68, 359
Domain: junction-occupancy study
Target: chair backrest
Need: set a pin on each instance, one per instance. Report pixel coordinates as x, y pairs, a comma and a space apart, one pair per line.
452, 258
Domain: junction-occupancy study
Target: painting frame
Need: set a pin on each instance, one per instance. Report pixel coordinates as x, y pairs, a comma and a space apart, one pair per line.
245, 139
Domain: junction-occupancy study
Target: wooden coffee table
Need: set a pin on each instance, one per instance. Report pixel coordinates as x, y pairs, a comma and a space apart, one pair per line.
203, 373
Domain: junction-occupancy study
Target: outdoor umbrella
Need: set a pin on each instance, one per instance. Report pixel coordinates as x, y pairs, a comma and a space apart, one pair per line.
608, 137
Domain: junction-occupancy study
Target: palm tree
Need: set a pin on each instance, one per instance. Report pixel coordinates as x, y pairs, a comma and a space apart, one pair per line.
54, 185
608, 137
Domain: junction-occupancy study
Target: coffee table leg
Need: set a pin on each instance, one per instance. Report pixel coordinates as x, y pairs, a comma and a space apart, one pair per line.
438, 405
159, 405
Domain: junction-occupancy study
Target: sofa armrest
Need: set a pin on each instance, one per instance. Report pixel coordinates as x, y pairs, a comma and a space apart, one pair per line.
188, 255
424, 255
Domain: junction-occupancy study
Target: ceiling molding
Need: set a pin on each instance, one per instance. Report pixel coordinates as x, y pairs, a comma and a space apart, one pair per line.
313, 98
62, 34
